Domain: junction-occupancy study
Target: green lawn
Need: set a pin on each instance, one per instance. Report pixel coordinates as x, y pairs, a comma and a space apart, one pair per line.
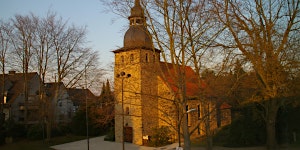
40, 145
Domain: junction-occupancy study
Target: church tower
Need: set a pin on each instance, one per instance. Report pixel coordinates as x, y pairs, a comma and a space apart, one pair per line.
135, 81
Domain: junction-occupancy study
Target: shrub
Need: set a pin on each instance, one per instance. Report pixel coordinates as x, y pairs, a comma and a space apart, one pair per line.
35, 132
78, 125
161, 136
15, 130
65, 129
246, 130
110, 136
2, 137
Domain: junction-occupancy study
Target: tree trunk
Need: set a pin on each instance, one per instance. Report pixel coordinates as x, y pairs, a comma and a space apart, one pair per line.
209, 142
186, 134
208, 131
271, 136
271, 114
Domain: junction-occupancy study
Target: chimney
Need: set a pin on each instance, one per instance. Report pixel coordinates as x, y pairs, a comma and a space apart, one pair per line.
11, 72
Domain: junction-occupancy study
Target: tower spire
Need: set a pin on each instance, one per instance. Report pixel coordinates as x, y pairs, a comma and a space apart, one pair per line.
137, 2
137, 35
137, 16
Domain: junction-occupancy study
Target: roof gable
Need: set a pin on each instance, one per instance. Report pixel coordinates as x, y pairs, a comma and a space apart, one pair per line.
14, 84
78, 96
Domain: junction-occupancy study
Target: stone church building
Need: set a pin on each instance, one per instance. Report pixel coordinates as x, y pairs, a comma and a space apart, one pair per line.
145, 89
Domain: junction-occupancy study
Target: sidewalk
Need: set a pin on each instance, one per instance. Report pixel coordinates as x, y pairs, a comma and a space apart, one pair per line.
98, 143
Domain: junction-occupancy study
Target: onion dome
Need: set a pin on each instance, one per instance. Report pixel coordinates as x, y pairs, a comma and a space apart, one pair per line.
137, 35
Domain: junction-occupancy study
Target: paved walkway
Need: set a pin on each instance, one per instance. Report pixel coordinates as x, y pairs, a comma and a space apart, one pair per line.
98, 143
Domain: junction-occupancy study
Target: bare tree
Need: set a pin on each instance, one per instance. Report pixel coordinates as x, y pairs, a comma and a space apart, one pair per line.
5, 31
51, 47
22, 39
70, 56
262, 31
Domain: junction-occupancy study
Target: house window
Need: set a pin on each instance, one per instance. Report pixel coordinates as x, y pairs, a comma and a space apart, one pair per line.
127, 111
5, 99
131, 58
21, 107
146, 57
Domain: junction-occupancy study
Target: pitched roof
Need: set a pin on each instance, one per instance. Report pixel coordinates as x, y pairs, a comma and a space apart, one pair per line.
170, 77
51, 87
14, 84
79, 95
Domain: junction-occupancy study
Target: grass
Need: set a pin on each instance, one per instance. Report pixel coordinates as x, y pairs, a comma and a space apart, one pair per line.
40, 144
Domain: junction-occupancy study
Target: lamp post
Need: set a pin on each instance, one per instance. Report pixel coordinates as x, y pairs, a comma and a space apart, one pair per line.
86, 110
179, 122
123, 75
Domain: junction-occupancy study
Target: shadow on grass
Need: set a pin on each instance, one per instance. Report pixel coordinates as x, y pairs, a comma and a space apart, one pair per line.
25, 144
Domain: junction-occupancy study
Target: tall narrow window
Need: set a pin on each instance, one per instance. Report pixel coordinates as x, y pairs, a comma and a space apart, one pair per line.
127, 111
153, 58
198, 111
131, 58
146, 57
122, 59
208, 112
187, 115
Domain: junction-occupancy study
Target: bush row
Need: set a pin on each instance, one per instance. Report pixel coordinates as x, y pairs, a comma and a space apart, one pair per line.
249, 129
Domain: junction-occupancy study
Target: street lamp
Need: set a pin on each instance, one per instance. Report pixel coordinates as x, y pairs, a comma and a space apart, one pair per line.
86, 110
179, 122
123, 75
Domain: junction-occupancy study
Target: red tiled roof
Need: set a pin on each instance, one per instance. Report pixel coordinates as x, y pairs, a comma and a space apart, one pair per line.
170, 76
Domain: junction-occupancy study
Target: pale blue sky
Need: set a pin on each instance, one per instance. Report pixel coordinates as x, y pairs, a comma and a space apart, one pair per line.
104, 35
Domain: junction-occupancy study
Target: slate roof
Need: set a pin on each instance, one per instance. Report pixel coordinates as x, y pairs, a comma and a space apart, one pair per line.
14, 84
78, 95
50, 88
